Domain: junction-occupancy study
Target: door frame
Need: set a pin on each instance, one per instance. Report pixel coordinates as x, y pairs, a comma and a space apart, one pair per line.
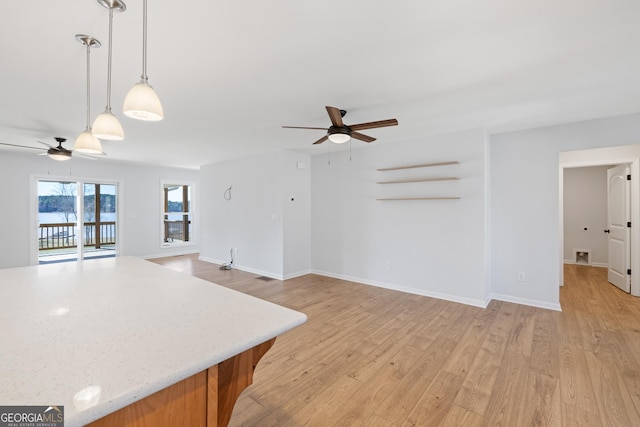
610, 156
33, 208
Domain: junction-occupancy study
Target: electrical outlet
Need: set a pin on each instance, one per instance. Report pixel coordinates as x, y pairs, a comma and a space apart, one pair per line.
387, 265
521, 276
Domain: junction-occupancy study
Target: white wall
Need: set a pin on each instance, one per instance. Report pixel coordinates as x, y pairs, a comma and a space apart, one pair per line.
296, 218
140, 203
585, 206
525, 202
253, 221
433, 247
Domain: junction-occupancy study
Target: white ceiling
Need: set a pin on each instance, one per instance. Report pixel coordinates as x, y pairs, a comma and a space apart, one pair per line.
230, 74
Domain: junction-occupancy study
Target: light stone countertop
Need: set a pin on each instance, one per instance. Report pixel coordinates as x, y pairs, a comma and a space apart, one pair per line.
98, 335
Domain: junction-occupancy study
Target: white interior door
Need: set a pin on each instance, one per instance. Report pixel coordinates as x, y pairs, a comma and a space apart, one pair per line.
618, 230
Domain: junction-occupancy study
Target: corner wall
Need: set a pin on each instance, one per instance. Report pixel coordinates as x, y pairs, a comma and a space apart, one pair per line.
270, 232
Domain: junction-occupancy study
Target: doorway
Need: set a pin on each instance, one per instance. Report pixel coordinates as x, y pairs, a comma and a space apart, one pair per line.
76, 220
596, 215
628, 154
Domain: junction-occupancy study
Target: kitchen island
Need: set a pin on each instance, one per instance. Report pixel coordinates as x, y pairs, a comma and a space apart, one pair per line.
122, 341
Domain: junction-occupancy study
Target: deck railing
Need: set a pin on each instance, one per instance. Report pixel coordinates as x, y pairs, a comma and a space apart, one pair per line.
63, 235
176, 230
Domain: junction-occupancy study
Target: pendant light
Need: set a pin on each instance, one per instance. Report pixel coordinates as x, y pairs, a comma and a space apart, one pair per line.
141, 102
86, 142
106, 125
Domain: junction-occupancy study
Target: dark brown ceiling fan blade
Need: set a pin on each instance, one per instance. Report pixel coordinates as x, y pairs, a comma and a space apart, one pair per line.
21, 146
335, 115
362, 137
303, 127
371, 125
321, 140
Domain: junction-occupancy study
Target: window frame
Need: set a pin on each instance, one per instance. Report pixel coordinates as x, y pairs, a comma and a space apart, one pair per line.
80, 181
190, 213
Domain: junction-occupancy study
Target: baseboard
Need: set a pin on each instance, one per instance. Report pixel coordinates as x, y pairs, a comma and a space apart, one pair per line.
431, 294
593, 264
296, 274
244, 268
259, 272
211, 260
445, 296
525, 301
405, 289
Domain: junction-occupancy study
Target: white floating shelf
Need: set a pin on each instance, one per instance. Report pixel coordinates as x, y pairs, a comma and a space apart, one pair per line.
421, 198
425, 165
403, 181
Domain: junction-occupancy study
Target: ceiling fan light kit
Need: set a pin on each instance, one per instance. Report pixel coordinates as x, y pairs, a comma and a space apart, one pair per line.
106, 125
86, 142
142, 102
339, 133
58, 153
61, 157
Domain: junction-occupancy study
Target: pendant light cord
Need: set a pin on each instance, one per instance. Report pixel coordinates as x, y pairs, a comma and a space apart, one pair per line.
88, 86
108, 108
144, 77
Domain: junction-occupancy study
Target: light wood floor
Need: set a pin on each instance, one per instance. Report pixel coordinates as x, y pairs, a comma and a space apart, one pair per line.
374, 357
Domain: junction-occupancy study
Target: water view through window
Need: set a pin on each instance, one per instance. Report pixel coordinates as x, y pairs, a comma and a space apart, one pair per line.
69, 230
176, 216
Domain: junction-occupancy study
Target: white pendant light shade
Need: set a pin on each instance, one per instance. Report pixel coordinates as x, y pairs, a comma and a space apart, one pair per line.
142, 103
107, 126
87, 143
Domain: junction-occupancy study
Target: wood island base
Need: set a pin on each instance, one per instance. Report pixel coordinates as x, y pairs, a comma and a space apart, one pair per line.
204, 399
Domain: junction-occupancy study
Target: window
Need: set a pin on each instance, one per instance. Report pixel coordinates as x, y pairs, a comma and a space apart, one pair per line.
177, 214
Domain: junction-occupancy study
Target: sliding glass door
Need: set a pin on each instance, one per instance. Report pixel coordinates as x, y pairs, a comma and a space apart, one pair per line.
99, 213
76, 220
57, 221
